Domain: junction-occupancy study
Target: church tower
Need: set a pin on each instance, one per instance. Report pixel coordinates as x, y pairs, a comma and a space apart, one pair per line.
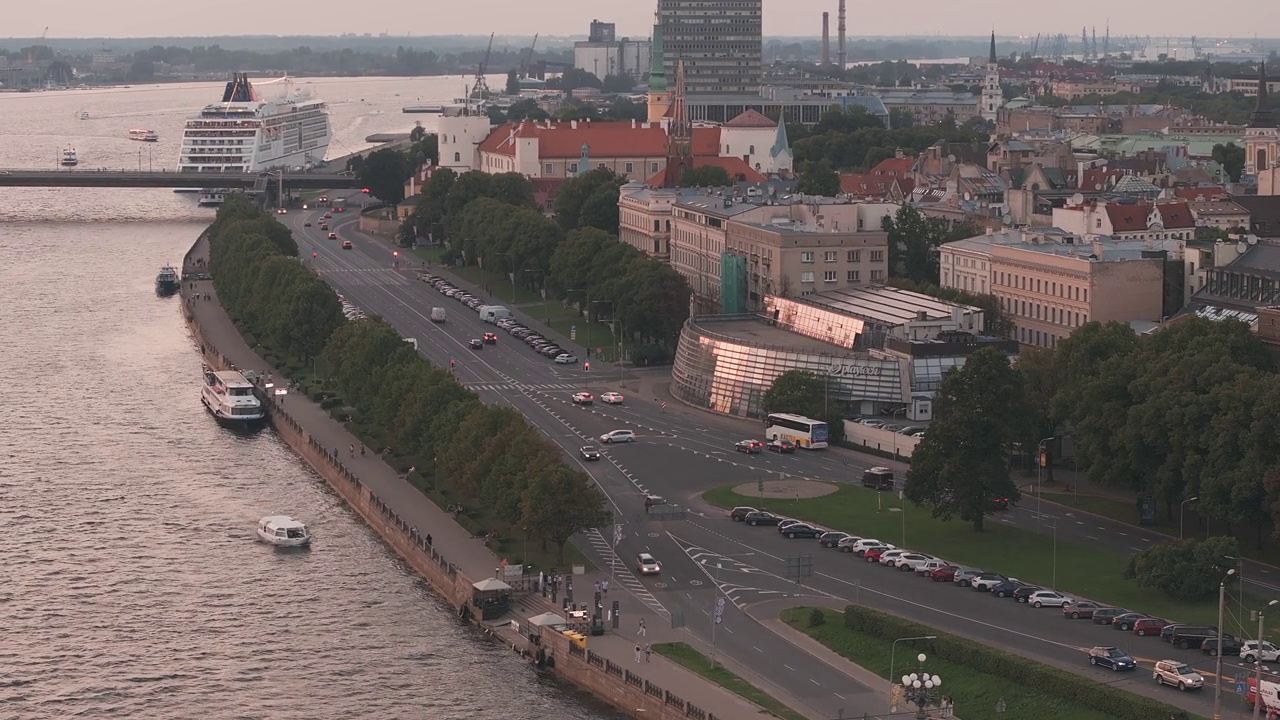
1262, 141
992, 94
659, 98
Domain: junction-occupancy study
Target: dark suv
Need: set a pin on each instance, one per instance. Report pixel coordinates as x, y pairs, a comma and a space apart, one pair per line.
741, 512
1190, 637
1230, 646
760, 517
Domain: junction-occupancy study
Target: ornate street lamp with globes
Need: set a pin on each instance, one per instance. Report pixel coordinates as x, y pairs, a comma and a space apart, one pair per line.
920, 687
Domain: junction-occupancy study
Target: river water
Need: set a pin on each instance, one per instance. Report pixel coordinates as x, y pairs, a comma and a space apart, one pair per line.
131, 582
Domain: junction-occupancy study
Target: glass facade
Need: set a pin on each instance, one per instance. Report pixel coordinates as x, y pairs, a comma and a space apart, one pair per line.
814, 322
715, 370
733, 284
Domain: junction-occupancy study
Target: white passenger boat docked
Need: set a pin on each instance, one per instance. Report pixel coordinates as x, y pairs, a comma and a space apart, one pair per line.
283, 531
229, 397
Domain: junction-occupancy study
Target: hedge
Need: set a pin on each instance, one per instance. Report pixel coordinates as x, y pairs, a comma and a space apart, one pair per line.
1119, 704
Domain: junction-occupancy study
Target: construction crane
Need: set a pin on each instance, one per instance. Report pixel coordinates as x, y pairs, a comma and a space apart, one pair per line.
480, 88
527, 58
1084, 44
1093, 48
1036, 47
1106, 42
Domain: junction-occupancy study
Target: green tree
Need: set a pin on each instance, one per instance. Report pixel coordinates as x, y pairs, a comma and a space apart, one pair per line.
913, 244
796, 391
384, 173
706, 176
589, 200
819, 178
1187, 570
618, 84
1231, 157
513, 82
560, 503
961, 465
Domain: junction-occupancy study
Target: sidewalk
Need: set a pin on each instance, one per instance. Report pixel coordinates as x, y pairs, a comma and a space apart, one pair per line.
470, 554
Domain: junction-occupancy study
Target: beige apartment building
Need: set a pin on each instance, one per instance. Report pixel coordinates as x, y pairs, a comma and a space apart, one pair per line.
1049, 282
788, 249
644, 218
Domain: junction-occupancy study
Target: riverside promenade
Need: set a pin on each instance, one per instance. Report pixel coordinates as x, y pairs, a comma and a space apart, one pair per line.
609, 667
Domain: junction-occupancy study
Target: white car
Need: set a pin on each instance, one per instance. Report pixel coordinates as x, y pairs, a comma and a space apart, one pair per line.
1048, 598
646, 564
582, 398
927, 567
986, 581
866, 544
913, 561
612, 398
566, 359
618, 436
889, 558
1251, 651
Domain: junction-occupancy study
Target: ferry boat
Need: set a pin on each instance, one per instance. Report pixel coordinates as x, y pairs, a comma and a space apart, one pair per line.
69, 158
210, 198
283, 531
245, 133
143, 135
168, 281
229, 397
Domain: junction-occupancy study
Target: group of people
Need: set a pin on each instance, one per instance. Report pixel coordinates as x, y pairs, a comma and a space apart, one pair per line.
645, 650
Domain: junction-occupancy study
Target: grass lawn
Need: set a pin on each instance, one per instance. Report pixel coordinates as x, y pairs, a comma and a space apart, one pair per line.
498, 284
974, 693
691, 659
429, 252
1082, 571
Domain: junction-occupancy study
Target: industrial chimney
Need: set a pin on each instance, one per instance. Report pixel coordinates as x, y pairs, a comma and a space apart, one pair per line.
826, 39
840, 42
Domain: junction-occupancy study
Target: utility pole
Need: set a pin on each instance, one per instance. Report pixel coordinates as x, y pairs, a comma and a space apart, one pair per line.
1257, 682
1217, 692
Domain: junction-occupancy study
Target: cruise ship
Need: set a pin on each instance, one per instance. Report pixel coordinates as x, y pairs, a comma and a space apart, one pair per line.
244, 133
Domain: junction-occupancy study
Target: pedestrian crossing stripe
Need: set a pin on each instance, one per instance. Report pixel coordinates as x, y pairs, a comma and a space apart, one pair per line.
523, 386
622, 574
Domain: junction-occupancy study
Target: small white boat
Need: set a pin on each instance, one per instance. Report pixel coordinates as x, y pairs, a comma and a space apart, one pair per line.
143, 135
69, 158
283, 531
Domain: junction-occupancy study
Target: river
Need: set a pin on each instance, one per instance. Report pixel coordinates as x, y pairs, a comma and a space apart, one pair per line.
132, 584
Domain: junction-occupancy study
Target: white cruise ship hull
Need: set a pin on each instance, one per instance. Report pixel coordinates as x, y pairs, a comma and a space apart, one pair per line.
227, 417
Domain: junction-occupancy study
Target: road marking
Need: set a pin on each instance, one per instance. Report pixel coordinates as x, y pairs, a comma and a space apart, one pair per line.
1090, 537
838, 695
753, 647
815, 682
788, 667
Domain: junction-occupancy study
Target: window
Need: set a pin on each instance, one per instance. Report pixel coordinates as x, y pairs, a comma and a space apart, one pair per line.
877, 274
829, 276
548, 169
877, 256
829, 256
657, 225
854, 256
573, 167
806, 257
628, 167
653, 167
457, 157
806, 277
851, 276
751, 149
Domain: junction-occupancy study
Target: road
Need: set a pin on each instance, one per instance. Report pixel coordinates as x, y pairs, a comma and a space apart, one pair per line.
706, 555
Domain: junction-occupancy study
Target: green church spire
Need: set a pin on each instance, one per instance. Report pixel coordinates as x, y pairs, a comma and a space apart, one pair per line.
657, 73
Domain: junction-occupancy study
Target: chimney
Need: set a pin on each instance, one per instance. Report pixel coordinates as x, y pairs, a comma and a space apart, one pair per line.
826, 39
1097, 249
840, 40
633, 123
573, 124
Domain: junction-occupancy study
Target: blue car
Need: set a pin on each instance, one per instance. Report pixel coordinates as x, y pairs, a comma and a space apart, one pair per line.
1006, 588
1113, 658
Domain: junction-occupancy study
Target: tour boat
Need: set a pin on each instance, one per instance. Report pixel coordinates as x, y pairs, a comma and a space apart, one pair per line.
69, 158
229, 398
168, 281
209, 198
283, 531
143, 135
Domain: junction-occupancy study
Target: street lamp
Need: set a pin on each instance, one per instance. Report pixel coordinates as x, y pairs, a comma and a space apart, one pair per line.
1040, 478
1182, 509
920, 687
894, 648
1257, 682
895, 432
1217, 693
717, 612
1054, 527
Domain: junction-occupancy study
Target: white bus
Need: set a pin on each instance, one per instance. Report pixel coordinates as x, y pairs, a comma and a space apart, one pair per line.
804, 432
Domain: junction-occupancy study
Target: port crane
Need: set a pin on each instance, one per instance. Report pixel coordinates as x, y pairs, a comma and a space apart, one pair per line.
527, 58
480, 88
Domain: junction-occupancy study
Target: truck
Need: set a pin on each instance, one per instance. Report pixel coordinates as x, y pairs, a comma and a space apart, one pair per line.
437, 314
493, 313
1270, 692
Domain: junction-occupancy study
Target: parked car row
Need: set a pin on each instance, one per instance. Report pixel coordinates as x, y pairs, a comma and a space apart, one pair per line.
908, 430
349, 309
539, 344
1174, 673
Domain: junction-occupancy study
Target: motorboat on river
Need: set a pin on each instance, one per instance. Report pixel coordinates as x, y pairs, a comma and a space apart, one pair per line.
229, 397
283, 531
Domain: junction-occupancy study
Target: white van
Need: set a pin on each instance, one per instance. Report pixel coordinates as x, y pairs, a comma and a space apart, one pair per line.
493, 313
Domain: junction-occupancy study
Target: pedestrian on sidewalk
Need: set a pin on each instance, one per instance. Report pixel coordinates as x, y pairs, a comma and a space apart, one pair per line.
648, 651
638, 653
604, 586
428, 539
597, 587
642, 628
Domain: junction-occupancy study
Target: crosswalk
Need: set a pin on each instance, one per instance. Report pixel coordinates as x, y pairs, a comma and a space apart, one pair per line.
622, 575
524, 386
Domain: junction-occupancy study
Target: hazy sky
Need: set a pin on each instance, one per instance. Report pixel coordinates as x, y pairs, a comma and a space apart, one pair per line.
139, 18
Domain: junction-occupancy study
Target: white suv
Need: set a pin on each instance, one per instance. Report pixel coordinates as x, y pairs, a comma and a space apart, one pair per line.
889, 558
1251, 651
866, 544
913, 561
1178, 674
618, 436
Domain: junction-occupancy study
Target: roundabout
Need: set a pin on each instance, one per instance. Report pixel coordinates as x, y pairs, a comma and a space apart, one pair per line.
789, 489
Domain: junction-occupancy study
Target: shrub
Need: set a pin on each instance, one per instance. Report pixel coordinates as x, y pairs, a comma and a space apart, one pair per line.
817, 617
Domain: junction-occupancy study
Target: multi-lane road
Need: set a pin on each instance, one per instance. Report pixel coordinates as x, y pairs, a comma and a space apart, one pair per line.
705, 555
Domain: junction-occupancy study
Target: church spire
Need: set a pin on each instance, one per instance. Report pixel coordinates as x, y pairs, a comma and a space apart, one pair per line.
1261, 117
657, 71
993, 59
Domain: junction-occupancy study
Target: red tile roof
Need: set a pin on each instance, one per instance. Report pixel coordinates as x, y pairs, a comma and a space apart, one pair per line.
1200, 194
1127, 218
894, 166
751, 119
705, 141
864, 184
738, 169
563, 140
1176, 216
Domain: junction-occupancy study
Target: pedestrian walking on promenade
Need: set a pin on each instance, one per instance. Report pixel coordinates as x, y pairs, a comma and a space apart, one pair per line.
597, 587
428, 539
641, 632
604, 586
638, 652
648, 651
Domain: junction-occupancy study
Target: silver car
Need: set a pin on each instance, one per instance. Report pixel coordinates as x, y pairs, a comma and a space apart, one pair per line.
964, 576
1178, 674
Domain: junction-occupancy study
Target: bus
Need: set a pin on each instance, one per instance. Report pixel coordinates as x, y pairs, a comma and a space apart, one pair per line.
804, 432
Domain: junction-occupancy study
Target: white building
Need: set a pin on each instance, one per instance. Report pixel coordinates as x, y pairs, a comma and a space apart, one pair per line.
459, 140
760, 142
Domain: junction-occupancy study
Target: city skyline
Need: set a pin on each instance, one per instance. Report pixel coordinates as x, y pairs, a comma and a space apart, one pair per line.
794, 18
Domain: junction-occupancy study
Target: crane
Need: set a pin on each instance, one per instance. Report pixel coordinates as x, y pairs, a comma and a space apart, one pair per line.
527, 58
1036, 47
46, 32
480, 88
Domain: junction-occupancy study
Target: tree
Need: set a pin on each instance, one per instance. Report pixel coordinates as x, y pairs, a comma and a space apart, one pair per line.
960, 465
1231, 157
796, 391
1187, 570
913, 244
706, 176
560, 503
819, 178
513, 82
589, 200
384, 172
618, 84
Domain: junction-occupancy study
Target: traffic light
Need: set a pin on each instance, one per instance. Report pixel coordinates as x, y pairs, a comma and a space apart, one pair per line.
313, 256
586, 366
364, 190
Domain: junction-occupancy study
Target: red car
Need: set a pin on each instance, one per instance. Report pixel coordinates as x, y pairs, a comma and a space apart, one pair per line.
873, 555
944, 574
1148, 626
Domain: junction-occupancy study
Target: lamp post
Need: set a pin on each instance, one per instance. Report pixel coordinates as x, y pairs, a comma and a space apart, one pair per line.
1182, 509
591, 304
1217, 692
895, 432
1040, 463
717, 613
920, 687
894, 649
1257, 681
543, 274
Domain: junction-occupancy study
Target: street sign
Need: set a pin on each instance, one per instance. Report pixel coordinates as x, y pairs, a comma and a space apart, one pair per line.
573, 332
1239, 688
759, 486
